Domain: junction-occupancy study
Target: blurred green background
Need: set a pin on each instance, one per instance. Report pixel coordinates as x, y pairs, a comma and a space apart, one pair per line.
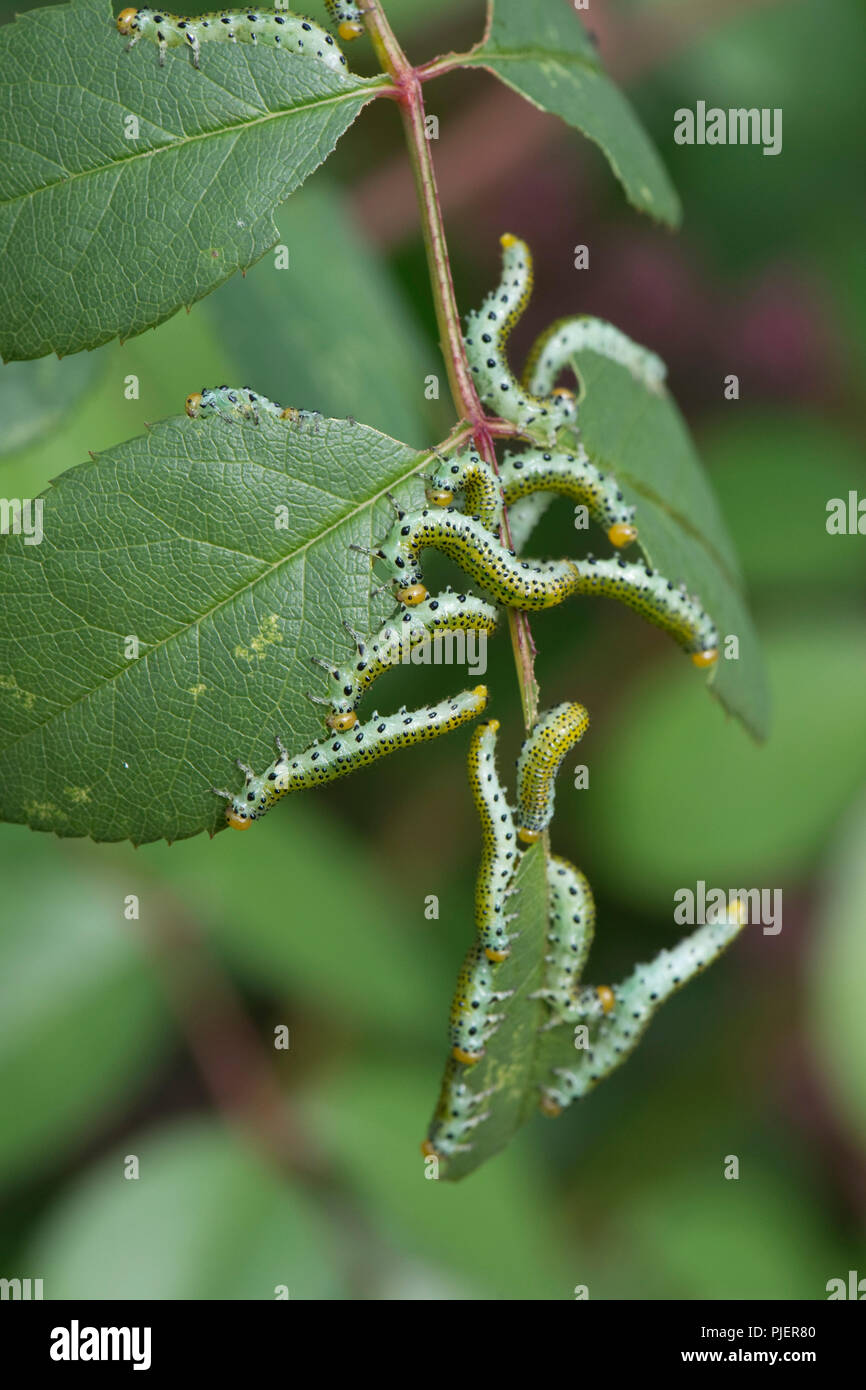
154, 1037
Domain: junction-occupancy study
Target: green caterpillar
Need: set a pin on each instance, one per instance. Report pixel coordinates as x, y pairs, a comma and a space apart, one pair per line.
555, 733
626, 1011
527, 473
555, 349
570, 932
499, 844
284, 30
528, 585
325, 762
240, 404
408, 628
486, 339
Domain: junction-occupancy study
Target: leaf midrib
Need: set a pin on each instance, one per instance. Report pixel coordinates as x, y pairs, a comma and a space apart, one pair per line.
534, 55
180, 141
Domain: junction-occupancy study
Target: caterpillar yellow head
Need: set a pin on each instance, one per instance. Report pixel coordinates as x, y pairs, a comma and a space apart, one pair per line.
548, 1106
621, 534
341, 722
412, 595
238, 820
350, 29
428, 1150
706, 658
606, 998
529, 837
440, 496
497, 955
508, 239
193, 402
125, 20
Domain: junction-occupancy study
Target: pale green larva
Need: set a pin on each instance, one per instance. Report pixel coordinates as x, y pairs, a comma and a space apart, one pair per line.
555, 349
342, 754
526, 584
486, 341
408, 629
498, 841
518, 583
627, 1010
571, 474
240, 405
570, 931
458, 1112
472, 1022
290, 32
554, 734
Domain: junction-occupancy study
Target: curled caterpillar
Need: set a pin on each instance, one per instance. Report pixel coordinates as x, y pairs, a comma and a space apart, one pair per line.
499, 841
518, 583
347, 19
530, 472
486, 339
525, 584
237, 404
408, 628
365, 743
570, 931
627, 1010
472, 1023
283, 30
467, 473
456, 1114
556, 731
556, 347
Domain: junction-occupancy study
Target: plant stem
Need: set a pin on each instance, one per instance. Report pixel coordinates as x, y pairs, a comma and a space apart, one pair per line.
410, 100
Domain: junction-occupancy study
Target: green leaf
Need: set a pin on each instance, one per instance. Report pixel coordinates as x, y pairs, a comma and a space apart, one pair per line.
206, 1218
81, 1017
836, 972
640, 436
543, 52
734, 815
341, 343
35, 396
508, 1062
175, 539
131, 230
